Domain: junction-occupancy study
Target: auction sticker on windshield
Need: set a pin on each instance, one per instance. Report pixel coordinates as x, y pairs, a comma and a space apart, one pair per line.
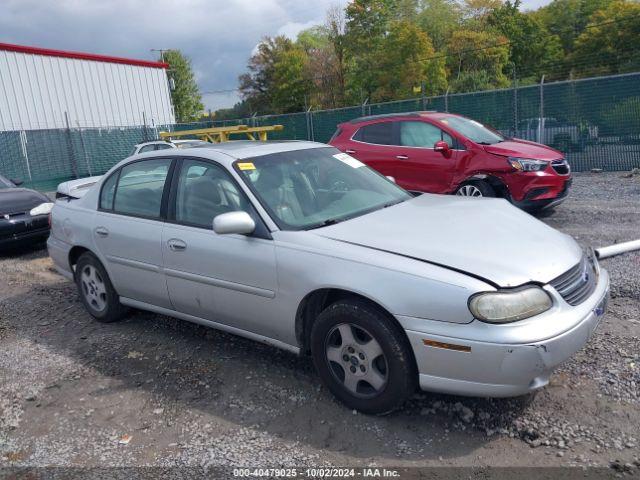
349, 160
246, 166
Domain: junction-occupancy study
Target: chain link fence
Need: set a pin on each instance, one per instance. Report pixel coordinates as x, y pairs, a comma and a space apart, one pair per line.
594, 121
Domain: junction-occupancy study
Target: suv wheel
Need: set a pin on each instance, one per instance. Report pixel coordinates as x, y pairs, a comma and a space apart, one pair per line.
362, 357
96, 291
476, 189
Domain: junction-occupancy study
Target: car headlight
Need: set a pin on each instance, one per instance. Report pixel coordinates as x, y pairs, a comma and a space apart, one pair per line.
42, 209
528, 164
509, 306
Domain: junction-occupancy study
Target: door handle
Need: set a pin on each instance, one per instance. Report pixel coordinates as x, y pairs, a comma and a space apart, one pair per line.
402, 157
349, 151
102, 232
177, 245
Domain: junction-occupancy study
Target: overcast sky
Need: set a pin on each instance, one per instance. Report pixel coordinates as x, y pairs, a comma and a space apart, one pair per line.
218, 35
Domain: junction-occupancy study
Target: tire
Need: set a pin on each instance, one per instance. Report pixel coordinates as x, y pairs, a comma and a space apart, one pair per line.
388, 363
96, 292
476, 188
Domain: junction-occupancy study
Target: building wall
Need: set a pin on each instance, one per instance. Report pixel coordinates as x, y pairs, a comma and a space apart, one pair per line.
36, 91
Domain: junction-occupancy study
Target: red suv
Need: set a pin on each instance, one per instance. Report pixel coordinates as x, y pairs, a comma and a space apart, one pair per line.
445, 153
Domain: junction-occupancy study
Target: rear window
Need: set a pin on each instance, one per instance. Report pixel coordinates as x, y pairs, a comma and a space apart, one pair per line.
377, 133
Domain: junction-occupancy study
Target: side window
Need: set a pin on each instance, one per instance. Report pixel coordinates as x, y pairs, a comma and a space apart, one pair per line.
108, 189
147, 148
422, 134
204, 191
377, 133
140, 188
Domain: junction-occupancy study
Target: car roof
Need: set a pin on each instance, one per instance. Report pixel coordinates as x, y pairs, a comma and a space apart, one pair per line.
228, 152
424, 113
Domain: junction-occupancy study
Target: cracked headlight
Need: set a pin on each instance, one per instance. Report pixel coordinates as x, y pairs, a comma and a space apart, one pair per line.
42, 209
509, 305
528, 164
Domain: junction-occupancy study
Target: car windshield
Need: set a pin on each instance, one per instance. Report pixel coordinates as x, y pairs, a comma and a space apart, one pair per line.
4, 183
311, 188
474, 131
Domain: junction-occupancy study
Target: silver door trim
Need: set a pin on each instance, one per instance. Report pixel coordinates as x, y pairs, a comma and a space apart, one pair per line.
208, 323
133, 263
216, 282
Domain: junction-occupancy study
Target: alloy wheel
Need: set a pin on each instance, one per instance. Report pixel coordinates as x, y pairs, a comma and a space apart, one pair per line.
469, 191
356, 360
93, 288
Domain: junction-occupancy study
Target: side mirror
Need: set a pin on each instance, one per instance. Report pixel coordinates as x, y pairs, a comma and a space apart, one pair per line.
16, 182
442, 147
234, 222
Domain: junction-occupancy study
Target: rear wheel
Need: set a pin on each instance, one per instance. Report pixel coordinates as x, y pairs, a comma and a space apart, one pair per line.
362, 357
96, 291
476, 189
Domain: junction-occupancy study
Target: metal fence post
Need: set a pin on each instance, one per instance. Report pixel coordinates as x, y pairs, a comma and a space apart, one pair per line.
25, 153
72, 157
84, 149
364, 107
423, 87
307, 117
446, 100
540, 138
515, 103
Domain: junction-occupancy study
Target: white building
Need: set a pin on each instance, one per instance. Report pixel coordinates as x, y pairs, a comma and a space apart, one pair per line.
42, 89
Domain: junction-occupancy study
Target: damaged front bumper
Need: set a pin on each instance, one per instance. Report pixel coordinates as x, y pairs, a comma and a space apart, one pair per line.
479, 359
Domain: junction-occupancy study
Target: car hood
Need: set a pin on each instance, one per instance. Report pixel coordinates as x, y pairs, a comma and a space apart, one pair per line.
20, 200
523, 149
486, 238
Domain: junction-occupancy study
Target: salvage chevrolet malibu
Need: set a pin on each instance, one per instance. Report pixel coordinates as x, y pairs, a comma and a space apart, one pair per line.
305, 248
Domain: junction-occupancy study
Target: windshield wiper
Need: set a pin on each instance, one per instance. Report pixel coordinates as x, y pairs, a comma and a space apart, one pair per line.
325, 223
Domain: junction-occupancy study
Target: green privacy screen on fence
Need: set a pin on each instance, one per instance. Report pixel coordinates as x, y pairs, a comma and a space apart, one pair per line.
594, 121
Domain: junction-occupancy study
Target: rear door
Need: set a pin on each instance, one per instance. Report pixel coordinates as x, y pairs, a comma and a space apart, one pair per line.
373, 144
418, 167
128, 229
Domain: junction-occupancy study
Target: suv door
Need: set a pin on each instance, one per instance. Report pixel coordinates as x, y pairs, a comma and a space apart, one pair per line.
373, 144
222, 278
128, 231
418, 166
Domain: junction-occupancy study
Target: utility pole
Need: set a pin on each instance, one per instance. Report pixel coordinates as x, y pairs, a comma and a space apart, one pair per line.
161, 50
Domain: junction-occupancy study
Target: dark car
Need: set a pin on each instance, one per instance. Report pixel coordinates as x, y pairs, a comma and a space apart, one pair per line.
446, 153
24, 214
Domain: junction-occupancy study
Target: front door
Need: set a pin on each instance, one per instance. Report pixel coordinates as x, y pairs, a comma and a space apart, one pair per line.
419, 167
230, 279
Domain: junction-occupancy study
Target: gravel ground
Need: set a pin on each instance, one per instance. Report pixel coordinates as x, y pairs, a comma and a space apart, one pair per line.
156, 391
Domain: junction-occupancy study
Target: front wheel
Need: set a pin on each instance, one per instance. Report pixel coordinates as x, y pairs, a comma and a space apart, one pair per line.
362, 357
96, 291
476, 189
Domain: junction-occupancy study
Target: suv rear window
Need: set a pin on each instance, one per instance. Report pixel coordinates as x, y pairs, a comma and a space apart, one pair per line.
377, 133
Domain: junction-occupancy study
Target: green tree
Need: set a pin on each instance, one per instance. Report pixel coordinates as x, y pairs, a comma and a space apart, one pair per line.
477, 60
326, 67
533, 50
276, 81
568, 18
366, 25
405, 60
439, 19
186, 98
610, 42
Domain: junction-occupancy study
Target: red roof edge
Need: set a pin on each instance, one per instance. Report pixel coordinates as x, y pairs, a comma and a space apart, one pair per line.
81, 56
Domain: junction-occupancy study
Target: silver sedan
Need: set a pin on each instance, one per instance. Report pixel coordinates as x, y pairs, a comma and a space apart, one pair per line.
305, 248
